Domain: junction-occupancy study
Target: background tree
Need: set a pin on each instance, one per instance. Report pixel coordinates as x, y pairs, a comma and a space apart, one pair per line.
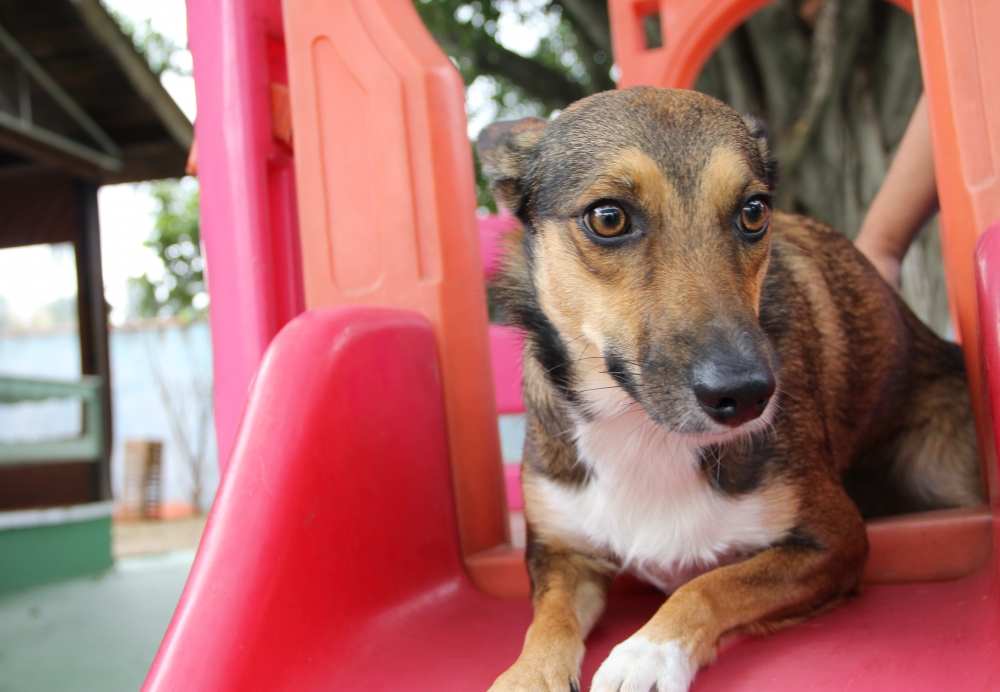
179, 290
158, 50
522, 57
187, 403
570, 60
836, 81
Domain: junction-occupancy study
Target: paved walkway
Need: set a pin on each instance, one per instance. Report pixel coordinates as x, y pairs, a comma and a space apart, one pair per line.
130, 538
99, 634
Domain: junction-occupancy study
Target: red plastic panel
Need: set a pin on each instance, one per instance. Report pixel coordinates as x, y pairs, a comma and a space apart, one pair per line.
988, 290
387, 210
506, 344
912, 637
491, 233
506, 348
512, 476
247, 193
336, 506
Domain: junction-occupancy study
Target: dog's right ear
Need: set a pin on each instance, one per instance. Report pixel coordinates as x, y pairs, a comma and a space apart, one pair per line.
761, 135
505, 151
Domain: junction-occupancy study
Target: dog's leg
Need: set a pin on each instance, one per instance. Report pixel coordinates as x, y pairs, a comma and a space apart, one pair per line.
569, 591
773, 589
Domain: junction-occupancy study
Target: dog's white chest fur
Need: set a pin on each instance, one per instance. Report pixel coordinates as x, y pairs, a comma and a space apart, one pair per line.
649, 504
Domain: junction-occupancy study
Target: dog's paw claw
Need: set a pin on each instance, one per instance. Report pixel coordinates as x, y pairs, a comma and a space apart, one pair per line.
639, 665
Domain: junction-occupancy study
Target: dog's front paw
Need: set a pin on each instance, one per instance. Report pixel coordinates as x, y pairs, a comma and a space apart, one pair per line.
639, 665
536, 679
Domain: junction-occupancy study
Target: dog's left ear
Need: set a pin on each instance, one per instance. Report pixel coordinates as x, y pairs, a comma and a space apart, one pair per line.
505, 151
760, 133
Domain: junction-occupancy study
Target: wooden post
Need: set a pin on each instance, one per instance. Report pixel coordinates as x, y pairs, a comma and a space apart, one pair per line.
93, 316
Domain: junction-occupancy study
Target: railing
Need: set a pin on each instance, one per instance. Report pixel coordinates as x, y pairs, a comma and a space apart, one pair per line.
87, 446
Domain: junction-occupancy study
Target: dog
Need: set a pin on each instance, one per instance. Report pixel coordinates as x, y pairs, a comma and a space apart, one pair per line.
717, 392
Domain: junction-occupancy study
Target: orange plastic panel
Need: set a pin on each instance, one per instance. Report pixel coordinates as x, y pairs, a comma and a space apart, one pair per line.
387, 213
960, 57
930, 546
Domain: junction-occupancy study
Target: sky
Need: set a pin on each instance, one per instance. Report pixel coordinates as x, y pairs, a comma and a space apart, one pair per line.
33, 276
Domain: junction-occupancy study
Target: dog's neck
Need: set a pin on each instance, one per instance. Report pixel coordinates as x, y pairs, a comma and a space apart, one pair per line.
648, 502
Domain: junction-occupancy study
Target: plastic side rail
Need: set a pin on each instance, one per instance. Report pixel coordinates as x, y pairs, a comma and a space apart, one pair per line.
988, 290
247, 193
959, 57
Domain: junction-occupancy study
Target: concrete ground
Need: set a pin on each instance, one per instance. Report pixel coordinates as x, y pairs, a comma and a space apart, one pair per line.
99, 634
130, 538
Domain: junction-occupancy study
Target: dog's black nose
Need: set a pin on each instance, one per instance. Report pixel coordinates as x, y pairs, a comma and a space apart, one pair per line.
733, 391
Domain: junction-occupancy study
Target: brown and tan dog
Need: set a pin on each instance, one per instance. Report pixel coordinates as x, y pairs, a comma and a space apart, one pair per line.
713, 389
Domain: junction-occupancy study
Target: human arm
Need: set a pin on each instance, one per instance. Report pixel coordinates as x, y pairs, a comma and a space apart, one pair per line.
904, 203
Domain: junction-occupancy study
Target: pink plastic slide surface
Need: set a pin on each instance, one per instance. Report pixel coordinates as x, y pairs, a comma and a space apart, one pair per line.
331, 559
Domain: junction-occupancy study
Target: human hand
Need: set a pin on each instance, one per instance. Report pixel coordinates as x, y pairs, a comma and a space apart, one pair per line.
886, 262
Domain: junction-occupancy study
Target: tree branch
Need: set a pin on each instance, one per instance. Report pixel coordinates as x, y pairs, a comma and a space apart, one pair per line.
600, 77
590, 17
546, 85
737, 83
780, 63
835, 46
822, 63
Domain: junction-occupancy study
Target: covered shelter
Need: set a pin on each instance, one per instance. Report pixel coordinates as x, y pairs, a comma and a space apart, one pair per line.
79, 107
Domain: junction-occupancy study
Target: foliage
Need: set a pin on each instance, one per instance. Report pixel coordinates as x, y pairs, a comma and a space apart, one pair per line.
187, 403
157, 49
176, 239
6, 317
567, 62
522, 57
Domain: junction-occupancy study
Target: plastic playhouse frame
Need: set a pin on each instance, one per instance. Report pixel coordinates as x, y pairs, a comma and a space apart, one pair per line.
359, 538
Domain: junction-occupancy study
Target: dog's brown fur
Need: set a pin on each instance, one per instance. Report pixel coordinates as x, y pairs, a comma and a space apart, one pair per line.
867, 397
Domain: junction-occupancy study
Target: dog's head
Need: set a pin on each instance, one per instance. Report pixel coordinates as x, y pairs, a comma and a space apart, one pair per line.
646, 215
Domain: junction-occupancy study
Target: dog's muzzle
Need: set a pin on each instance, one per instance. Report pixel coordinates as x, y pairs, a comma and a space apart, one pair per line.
732, 388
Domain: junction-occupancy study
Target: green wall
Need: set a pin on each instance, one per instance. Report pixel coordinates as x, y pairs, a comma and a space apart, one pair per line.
38, 554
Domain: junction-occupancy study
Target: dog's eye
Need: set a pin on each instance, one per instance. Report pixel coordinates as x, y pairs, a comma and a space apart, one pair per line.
607, 220
754, 217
